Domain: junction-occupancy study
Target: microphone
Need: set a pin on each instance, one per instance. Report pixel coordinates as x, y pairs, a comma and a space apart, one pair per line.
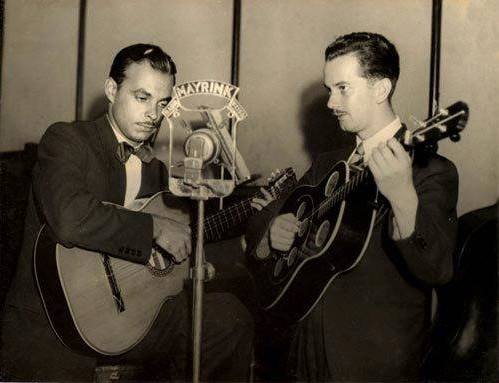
201, 147
215, 142
227, 145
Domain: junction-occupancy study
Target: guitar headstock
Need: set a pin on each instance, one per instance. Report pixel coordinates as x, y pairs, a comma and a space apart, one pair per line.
448, 122
281, 181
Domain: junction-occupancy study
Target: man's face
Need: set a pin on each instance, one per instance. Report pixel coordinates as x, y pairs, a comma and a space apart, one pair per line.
137, 104
351, 96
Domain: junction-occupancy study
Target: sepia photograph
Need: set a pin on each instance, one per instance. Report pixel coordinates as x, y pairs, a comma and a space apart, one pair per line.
249, 190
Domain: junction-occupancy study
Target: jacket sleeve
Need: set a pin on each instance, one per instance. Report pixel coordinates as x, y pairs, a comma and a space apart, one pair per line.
73, 213
428, 252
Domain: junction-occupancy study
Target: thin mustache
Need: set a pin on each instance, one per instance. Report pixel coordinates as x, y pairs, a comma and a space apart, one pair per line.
148, 125
338, 111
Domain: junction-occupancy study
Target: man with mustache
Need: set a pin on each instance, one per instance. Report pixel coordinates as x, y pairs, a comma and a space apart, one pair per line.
372, 322
81, 165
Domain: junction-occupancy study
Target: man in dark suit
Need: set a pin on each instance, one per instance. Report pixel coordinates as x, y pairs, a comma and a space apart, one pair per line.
80, 166
372, 323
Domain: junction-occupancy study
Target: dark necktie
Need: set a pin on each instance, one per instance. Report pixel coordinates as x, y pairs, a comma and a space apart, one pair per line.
125, 150
358, 156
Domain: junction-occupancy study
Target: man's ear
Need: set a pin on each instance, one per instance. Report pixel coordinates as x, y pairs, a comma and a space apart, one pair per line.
110, 89
383, 89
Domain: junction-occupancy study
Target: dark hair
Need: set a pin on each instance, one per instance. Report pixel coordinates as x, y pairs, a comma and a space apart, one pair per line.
377, 56
138, 53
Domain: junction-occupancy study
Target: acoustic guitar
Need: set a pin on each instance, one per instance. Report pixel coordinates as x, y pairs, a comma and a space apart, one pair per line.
105, 305
336, 218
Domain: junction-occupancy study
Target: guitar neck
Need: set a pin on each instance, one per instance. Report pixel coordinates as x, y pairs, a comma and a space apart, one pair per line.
447, 122
217, 224
343, 191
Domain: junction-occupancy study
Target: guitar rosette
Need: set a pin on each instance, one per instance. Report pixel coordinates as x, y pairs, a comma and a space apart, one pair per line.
203, 160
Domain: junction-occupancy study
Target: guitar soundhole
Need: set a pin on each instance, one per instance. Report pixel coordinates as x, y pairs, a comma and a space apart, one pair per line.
292, 256
278, 267
303, 227
331, 184
158, 265
301, 210
322, 234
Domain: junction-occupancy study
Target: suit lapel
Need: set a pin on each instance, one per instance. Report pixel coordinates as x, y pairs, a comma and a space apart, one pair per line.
116, 181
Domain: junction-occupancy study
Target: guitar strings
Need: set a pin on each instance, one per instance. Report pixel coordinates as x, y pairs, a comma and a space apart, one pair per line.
211, 228
339, 194
245, 205
222, 218
357, 178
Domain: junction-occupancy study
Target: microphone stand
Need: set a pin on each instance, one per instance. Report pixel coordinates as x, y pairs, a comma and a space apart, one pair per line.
198, 277
201, 270
194, 186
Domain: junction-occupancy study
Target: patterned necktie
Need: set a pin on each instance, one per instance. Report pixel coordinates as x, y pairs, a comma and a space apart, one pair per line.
358, 156
125, 150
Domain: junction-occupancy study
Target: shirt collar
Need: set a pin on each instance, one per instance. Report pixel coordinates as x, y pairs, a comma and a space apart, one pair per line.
117, 132
381, 136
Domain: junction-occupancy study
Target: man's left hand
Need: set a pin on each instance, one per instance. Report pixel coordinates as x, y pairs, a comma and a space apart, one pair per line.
391, 167
264, 200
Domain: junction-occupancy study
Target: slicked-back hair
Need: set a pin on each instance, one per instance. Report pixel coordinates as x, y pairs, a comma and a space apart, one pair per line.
377, 56
137, 53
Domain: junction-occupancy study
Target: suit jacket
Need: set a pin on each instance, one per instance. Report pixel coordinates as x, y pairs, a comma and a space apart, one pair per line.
76, 171
372, 323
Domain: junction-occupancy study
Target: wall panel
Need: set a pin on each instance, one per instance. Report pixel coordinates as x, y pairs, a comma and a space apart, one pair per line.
197, 34
282, 48
470, 71
38, 70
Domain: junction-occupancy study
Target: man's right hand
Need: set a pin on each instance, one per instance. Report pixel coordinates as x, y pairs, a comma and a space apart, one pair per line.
173, 236
283, 232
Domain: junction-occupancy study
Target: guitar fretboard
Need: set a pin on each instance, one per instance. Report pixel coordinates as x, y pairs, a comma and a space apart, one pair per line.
215, 225
342, 192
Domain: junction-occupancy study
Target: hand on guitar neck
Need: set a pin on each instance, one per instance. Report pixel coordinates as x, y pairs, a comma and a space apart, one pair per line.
391, 167
260, 203
172, 236
175, 237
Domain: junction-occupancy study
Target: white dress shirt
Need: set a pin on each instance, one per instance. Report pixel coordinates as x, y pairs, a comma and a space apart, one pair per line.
133, 166
381, 136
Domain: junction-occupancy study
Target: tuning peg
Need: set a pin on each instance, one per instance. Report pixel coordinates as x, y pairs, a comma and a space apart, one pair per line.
442, 128
443, 112
418, 138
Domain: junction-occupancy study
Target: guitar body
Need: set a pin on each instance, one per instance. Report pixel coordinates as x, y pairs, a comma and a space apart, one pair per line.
77, 292
328, 244
99, 304
336, 218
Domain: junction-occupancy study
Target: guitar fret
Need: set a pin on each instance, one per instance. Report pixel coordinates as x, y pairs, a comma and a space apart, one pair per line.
217, 223
216, 227
207, 231
341, 193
